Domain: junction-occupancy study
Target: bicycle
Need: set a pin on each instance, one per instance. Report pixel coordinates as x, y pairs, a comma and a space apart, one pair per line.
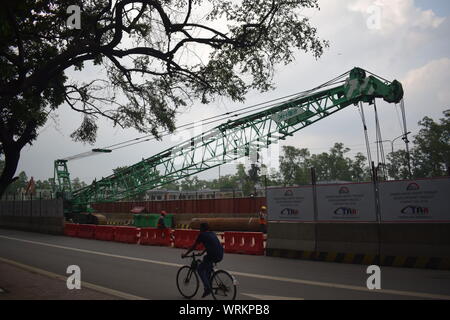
223, 284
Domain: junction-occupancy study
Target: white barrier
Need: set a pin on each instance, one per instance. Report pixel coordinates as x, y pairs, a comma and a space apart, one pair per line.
346, 202
290, 204
423, 200
415, 201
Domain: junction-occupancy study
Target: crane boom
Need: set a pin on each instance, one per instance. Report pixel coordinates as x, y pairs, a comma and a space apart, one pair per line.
236, 139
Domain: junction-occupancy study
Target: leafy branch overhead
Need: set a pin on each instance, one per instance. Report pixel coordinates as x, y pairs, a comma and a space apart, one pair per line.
147, 58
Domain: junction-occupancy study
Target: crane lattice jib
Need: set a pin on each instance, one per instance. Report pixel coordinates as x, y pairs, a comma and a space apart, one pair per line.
61, 181
238, 138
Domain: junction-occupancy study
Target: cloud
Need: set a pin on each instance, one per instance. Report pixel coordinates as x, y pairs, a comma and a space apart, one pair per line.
394, 14
428, 87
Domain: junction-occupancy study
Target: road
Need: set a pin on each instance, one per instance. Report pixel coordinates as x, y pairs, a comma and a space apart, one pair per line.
149, 272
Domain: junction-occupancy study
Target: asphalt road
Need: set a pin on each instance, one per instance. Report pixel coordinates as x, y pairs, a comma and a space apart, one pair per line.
149, 272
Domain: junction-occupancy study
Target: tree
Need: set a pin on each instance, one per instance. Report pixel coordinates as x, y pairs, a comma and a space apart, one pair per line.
19, 184
274, 178
253, 173
431, 153
78, 184
359, 171
243, 181
157, 55
294, 165
397, 165
45, 184
333, 165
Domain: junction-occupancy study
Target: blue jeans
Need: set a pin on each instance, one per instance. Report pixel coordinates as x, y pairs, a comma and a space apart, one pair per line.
204, 271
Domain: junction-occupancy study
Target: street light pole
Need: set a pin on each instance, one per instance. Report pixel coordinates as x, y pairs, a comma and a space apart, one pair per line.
403, 136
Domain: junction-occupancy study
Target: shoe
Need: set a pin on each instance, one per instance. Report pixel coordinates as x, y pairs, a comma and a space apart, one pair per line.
206, 293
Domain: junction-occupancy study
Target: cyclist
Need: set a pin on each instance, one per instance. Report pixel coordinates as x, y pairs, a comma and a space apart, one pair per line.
214, 254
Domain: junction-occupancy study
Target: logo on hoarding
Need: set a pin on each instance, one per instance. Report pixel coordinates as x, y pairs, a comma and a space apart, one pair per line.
346, 212
290, 212
344, 190
412, 187
416, 211
289, 193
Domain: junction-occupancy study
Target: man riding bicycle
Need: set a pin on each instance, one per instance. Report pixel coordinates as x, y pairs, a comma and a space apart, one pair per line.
214, 254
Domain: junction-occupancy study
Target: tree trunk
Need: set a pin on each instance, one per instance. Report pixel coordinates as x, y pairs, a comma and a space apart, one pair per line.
12, 156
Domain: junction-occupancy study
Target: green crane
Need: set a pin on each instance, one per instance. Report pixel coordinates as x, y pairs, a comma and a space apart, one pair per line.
234, 139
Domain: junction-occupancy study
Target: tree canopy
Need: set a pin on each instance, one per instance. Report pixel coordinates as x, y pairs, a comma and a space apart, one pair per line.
143, 59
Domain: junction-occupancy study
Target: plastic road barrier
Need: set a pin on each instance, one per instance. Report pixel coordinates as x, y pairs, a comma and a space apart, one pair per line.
86, 231
126, 234
244, 243
105, 233
71, 229
156, 237
184, 238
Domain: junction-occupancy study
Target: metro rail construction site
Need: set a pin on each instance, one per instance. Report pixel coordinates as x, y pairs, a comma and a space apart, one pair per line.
302, 231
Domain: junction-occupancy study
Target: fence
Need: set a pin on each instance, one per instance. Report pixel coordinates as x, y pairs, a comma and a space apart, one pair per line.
409, 201
214, 206
39, 215
395, 223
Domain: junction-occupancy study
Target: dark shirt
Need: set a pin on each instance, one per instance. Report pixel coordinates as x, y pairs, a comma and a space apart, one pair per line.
161, 224
214, 248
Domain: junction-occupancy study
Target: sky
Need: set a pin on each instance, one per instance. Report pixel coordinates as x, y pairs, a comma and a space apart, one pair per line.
405, 40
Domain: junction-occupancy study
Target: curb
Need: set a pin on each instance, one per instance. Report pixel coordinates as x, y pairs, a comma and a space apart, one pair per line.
363, 259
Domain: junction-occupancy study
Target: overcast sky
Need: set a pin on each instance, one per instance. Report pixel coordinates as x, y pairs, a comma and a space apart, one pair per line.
409, 44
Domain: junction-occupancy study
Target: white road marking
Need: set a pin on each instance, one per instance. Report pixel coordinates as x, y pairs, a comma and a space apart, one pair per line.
265, 297
95, 252
346, 287
252, 275
84, 284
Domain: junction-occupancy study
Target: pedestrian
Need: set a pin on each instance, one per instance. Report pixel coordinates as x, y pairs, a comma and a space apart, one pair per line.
161, 223
263, 219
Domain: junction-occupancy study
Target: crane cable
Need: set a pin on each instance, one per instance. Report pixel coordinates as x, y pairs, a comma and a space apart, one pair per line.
405, 138
235, 113
221, 117
380, 149
366, 135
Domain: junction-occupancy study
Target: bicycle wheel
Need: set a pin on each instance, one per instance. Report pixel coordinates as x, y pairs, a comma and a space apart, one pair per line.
223, 286
187, 282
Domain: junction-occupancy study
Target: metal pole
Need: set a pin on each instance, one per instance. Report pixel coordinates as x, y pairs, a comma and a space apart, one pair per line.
377, 211
402, 106
314, 186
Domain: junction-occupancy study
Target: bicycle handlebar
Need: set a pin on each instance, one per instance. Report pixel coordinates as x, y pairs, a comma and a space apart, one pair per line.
193, 255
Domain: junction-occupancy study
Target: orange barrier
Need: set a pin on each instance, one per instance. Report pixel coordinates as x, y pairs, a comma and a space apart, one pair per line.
186, 238
126, 234
156, 237
71, 229
244, 242
86, 231
105, 233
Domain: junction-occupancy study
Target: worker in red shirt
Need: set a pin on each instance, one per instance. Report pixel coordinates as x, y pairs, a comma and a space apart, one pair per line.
161, 223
